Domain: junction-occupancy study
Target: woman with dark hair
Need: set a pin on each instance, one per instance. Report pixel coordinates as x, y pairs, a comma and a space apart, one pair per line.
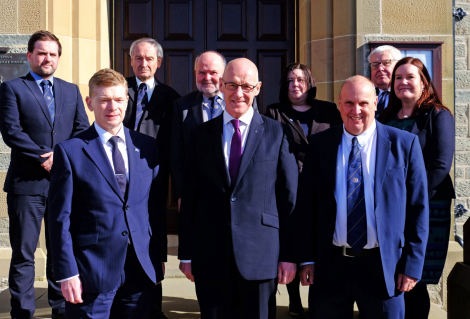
305, 116
416, 107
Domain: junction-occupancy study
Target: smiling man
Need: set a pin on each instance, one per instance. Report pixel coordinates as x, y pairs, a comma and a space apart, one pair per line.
239, 193
363, 212
382, 60
107, 233
37, 111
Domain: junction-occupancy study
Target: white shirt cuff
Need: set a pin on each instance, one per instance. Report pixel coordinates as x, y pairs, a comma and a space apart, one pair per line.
185, 261
309, 263
62, 280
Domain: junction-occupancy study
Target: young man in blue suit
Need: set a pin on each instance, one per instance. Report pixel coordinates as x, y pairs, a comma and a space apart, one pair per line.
240, 189
108, 237
37, 111
363, 213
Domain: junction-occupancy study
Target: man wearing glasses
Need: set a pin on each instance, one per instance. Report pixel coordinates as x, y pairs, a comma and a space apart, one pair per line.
239, 193
382, 60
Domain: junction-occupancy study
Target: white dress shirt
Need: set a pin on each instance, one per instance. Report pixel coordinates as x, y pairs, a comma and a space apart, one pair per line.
151, 83
368, 147
104, 137
206, 105
245, 122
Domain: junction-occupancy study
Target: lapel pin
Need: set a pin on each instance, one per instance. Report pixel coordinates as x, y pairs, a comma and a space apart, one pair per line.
256, 131
136, 149
291, 120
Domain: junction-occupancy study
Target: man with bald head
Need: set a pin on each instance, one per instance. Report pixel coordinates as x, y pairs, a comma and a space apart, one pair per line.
240, 190
195, 108
363, 212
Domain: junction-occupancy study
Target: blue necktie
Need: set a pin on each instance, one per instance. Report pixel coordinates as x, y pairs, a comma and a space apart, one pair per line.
381, 102
118, 163
47, 93
357, 221
216, 109
142, 100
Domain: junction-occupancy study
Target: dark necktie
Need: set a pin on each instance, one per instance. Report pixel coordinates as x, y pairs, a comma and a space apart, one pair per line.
381, 102
357, 221
119, 167
235, 152
47, 93
142, 101
216, 109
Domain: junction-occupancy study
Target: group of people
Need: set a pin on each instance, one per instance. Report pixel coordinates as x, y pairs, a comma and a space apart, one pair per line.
352, 200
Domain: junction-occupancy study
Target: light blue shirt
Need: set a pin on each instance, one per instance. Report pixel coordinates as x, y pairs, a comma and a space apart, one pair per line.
39, 79
206, 105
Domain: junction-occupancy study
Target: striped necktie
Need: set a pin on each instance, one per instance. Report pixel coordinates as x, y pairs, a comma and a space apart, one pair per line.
215, 108
381, 102
47, 93
357, 221
119, 166
142, 101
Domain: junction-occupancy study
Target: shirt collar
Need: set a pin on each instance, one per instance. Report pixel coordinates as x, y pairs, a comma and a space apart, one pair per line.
150, 83
39, 79
205, 99
363, 138
105, 135
387, 90
245, 118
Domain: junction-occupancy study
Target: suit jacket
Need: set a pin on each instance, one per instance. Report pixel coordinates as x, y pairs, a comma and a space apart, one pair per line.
401, 203
253, 212
436, 134
26, 127
187, 114
90, 222
326, 114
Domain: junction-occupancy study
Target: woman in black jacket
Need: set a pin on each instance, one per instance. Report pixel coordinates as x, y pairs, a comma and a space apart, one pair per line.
305, 116
416, 107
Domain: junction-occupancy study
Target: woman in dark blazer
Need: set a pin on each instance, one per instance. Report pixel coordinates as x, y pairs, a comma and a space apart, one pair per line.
305, 116
416, 107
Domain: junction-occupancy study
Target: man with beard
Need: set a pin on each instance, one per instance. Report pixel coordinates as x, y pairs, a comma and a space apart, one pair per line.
37, 111
194, 109
382, 60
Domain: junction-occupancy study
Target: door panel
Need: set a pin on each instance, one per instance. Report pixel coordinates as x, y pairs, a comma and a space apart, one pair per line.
260, 30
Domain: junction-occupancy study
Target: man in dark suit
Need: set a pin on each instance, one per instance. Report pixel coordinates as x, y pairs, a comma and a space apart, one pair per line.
107, 233
194, 109
149, 111
363, 212
37, 111
240, 188
382, 60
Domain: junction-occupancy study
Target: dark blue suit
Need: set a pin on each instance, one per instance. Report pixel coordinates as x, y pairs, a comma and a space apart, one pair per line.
236, 235
401, 213
91, 223
26, 127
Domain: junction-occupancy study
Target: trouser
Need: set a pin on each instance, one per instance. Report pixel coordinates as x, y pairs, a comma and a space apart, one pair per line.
25, 213
417, 303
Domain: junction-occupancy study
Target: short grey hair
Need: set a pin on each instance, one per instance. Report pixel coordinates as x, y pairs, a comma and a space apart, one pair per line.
156, 45
396, 54
217, 53
353, 78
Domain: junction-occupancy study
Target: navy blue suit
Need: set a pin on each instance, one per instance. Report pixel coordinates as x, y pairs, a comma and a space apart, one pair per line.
26, 127
236, 235
91, 223
401, 213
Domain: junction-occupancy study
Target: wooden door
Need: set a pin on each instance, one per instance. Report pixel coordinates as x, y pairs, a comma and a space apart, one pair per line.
260, 30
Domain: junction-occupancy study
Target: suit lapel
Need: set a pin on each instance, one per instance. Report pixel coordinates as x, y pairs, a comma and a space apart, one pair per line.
132, 88
96, 151
32, 85
197, 109
57, 98
156, 97
295, 124
252, 141
216, 140
383, 150
133, 154
330, 155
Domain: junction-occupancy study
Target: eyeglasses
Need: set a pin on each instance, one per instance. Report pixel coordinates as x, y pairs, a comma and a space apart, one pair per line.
247, 88
385, 63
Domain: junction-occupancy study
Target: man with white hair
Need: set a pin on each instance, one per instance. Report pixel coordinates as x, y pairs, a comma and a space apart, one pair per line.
382, 60
149, 111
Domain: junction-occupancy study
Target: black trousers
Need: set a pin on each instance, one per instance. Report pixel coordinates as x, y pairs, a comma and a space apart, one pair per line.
352, 279
417, 303
26, 213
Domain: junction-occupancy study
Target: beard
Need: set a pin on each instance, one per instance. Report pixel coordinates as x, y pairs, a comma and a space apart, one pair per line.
208, 91
44, 73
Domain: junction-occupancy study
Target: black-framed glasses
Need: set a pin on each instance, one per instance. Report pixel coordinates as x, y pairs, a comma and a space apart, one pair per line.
247, 88
385, 63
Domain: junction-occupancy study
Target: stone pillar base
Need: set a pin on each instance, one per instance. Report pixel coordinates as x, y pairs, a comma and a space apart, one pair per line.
458, 290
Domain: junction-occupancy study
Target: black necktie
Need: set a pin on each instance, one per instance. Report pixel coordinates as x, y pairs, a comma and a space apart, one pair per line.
119, 167
142, 101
